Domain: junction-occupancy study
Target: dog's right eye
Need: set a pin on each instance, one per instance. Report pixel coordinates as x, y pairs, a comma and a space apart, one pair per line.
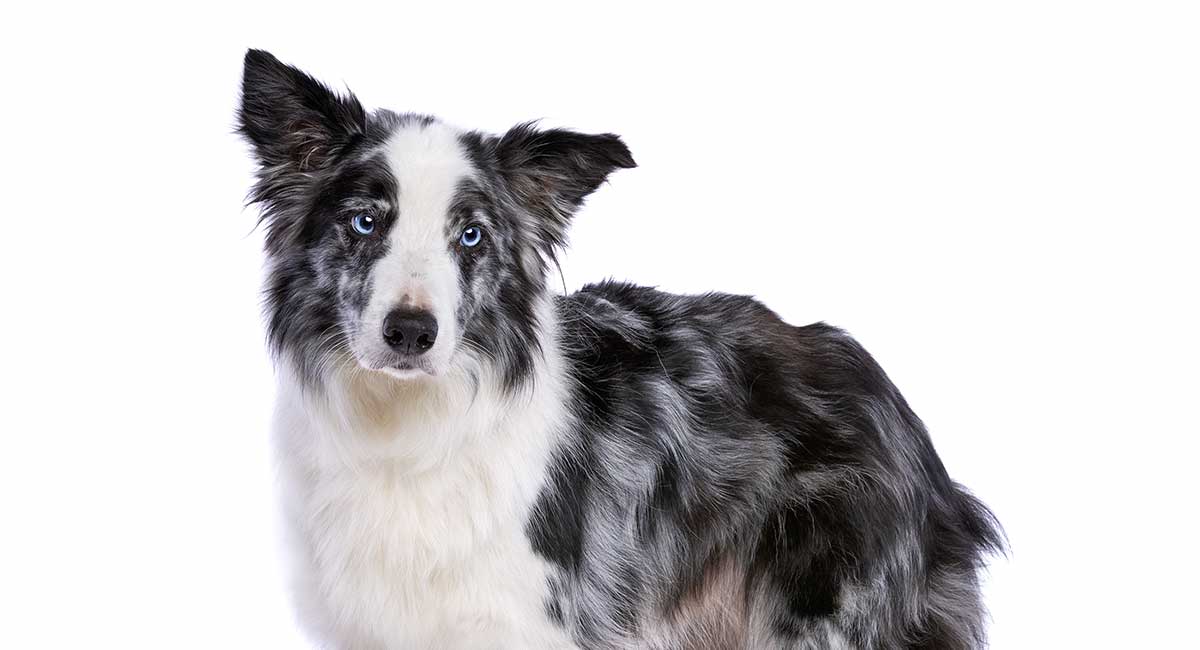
363, 224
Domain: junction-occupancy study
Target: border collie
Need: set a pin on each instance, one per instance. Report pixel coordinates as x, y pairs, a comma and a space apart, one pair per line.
472, 461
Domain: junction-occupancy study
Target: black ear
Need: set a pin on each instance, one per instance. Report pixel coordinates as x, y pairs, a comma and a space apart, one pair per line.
296, 123
552, 171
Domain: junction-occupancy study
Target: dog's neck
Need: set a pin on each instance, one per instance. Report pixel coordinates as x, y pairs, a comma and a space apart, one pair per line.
369, 416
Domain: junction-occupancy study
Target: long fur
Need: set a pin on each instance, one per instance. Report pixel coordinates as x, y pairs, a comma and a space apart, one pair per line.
615, 468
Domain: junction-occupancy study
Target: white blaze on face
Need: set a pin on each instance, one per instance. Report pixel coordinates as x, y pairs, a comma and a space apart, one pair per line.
419, 270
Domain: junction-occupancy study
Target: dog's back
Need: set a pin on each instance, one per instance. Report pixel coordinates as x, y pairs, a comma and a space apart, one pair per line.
733, 481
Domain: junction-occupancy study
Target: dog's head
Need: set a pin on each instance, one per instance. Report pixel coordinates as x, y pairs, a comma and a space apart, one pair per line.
401, 243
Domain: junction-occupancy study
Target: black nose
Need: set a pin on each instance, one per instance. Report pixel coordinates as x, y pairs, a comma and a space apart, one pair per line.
410, 331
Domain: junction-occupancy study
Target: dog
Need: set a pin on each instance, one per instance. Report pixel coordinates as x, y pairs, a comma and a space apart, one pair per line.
470, 460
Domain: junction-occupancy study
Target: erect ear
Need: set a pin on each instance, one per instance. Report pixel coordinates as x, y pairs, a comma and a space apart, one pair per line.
552, 171
294, 122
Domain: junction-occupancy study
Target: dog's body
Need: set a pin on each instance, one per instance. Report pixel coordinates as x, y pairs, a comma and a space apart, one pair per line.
471, 462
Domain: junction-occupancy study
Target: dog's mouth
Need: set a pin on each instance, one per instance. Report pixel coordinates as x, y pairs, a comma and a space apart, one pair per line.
404, 368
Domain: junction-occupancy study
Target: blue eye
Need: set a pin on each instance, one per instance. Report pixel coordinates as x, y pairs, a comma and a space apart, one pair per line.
363, 224
471, 236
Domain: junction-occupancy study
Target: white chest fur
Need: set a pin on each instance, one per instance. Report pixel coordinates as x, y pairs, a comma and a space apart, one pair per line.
406, 509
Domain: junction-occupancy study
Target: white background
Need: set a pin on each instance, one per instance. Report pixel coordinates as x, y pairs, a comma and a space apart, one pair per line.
1000, 202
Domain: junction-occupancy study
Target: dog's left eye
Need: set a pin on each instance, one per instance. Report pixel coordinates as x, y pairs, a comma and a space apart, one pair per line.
471, 236
363, 224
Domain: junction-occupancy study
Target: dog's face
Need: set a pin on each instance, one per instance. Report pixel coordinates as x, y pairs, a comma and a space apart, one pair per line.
400, 243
